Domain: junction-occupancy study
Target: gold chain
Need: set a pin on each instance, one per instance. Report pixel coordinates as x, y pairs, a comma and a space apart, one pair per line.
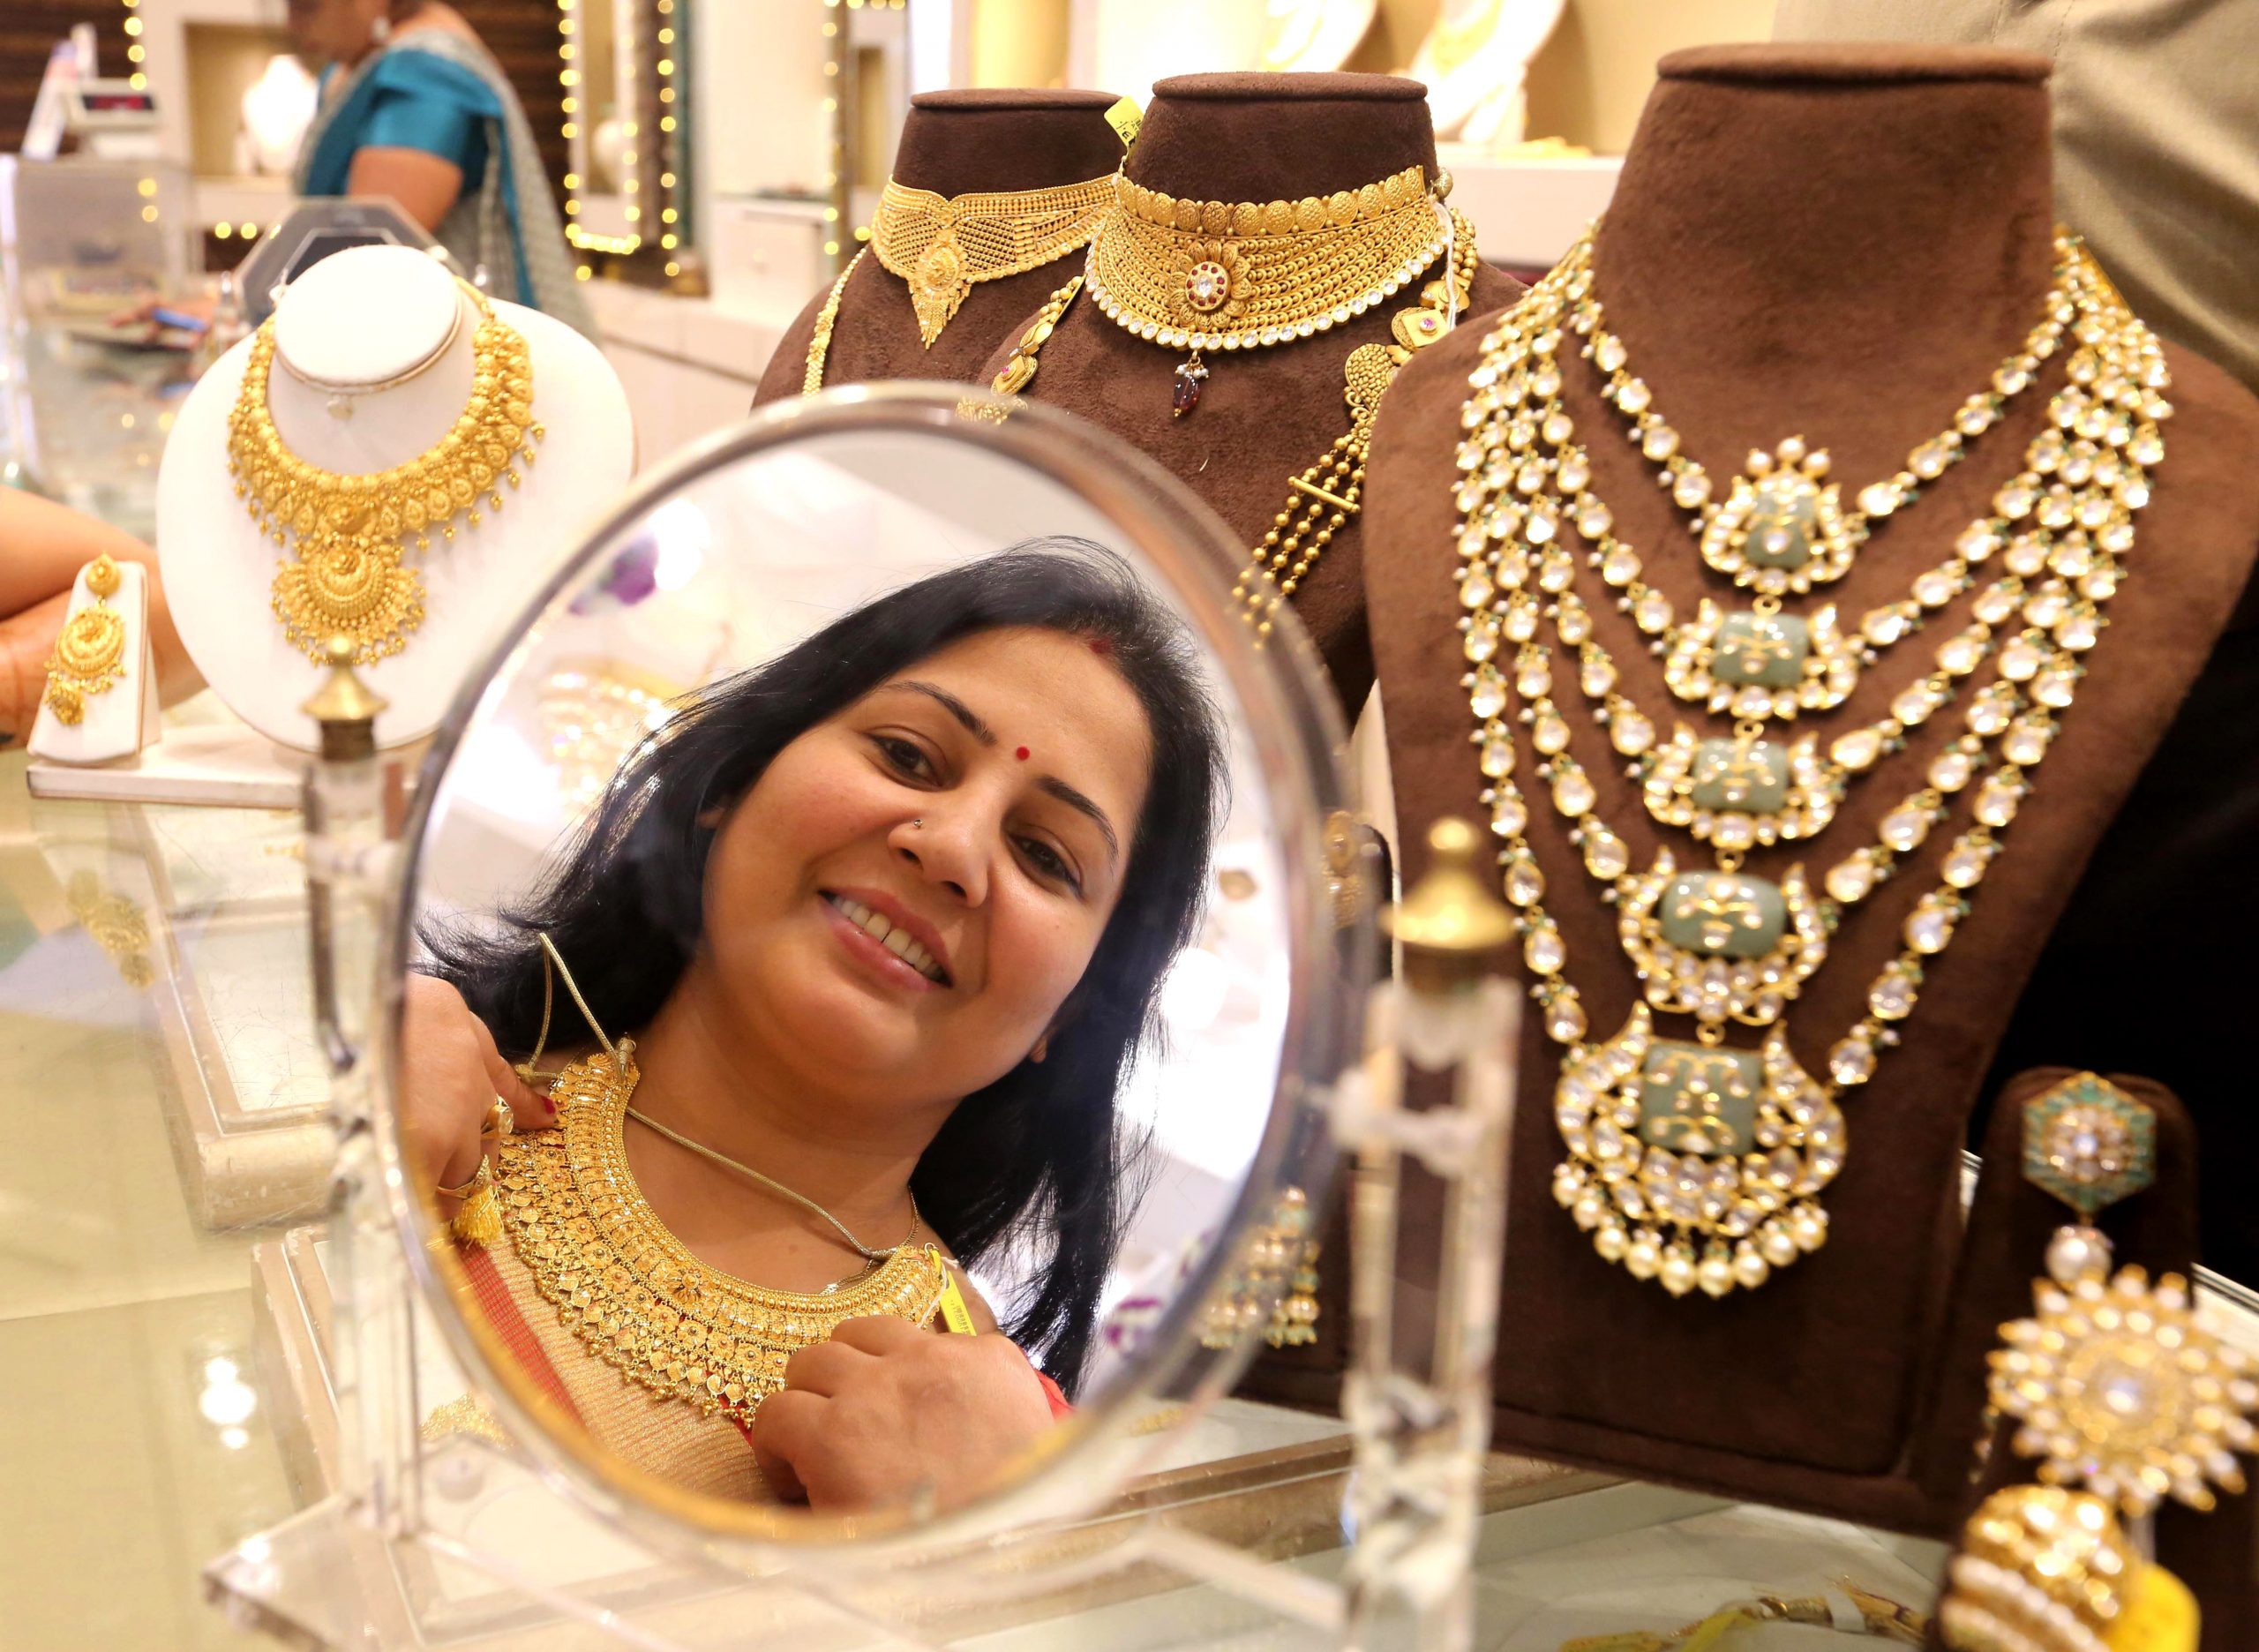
819, 341
940, 245
1322, 500
89, 658
348, 532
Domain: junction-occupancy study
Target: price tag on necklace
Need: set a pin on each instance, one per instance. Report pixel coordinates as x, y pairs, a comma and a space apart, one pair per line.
955, 1314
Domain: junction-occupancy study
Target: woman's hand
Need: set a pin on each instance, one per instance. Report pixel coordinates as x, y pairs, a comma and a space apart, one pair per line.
450, 1073
885, 1414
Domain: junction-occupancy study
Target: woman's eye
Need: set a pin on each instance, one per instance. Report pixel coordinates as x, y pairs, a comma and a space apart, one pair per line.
1050, 863
907, 758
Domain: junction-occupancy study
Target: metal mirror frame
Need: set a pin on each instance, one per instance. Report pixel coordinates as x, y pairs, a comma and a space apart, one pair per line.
1282, 693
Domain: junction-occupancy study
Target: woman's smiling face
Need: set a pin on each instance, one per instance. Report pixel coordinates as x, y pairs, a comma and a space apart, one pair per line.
903, 901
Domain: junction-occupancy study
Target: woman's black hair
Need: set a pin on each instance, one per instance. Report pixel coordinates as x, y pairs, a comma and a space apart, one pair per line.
1038, 1154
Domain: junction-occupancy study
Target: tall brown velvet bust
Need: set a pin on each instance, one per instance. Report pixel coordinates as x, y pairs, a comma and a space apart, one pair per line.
1265, 415
1840, 243
956, 143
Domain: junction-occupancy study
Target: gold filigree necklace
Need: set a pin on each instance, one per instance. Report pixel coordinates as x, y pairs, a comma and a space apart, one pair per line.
1692, 1162
941, 245
347, 533
1232, 276
1326, 495
635, 1295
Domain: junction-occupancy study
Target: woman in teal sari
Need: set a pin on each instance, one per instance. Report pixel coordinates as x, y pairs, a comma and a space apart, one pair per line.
413, 108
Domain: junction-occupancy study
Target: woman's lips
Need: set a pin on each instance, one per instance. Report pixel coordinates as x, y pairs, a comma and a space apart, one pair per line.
872, 953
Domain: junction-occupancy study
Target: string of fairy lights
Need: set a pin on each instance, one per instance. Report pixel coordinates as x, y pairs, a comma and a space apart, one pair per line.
651, 164
661, 170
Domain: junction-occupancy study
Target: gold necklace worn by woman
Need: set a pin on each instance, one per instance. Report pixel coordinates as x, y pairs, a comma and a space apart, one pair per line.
941, 245
635, 1295
1223, 275
347, 533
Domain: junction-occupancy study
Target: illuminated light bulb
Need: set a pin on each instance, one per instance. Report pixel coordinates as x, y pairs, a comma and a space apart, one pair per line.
147, 186
224, 230
569, 130
666, 65
666, 122
668, 242
673, 269
148, 215
830, 249
581, 273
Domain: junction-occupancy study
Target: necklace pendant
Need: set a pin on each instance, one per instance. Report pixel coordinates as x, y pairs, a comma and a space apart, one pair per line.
1781, 527
1184, 395
1722, 946
1694, 1165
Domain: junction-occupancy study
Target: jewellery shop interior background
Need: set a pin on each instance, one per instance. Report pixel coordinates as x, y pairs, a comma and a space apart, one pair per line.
147, 1435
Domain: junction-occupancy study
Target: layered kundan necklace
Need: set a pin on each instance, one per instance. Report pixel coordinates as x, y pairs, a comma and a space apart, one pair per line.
1233, 277
1696, 1161
348, 534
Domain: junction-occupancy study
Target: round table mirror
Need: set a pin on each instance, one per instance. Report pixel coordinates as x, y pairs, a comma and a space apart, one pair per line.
888, 883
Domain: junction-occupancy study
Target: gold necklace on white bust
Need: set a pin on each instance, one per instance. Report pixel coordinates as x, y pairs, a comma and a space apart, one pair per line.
348, 534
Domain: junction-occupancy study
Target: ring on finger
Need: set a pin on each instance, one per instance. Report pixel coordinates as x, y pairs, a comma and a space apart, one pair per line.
499, 1122
468, 1185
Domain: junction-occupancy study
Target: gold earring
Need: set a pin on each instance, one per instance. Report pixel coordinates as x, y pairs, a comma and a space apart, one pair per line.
89, 657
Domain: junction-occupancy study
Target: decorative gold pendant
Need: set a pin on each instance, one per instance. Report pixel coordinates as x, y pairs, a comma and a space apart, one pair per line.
351, 587
1782, 527
89, 657
2120, 1387
1695, 1165
1721, 946
938, 285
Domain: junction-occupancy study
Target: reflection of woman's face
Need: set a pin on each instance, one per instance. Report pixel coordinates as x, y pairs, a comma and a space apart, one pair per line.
903, 900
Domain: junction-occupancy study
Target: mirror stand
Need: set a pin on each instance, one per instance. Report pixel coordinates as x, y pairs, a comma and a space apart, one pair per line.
425, 1540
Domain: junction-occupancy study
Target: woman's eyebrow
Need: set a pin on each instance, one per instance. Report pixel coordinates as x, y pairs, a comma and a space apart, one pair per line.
964, 714
1075, 800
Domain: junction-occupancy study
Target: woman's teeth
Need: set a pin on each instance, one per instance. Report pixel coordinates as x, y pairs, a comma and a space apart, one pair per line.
894, 940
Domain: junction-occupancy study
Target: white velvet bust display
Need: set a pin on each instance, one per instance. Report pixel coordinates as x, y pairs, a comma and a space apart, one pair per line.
365, 317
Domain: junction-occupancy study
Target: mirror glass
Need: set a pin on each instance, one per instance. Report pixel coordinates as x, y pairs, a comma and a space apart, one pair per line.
887, 884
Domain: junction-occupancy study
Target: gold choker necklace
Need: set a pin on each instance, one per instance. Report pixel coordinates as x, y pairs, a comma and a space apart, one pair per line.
1224, 275
940, 245
348, 532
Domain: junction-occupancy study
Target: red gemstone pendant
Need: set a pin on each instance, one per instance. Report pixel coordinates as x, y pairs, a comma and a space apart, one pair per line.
1185, 395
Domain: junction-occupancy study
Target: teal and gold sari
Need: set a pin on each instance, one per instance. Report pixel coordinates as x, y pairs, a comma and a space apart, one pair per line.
439, 92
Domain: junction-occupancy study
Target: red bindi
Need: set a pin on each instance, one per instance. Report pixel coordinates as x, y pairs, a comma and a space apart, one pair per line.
1100, 647
1021, 754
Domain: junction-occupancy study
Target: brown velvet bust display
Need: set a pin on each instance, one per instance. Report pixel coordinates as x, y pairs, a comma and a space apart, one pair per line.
1840, 243
956, 143
1264, 414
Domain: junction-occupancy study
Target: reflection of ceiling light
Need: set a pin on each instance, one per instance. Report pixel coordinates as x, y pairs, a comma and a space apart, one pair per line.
220, 1370
680, 530
1193, 993
234, 1438
226, 1402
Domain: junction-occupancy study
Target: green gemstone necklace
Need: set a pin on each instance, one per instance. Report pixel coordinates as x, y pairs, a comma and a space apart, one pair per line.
1693, 1162
1761, 662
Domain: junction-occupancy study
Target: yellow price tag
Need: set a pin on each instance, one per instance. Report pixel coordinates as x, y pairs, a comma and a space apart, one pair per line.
2159, 1615
955, 1314
1126, 118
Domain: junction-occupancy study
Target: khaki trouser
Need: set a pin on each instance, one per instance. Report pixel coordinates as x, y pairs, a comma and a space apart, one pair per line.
2157, 140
